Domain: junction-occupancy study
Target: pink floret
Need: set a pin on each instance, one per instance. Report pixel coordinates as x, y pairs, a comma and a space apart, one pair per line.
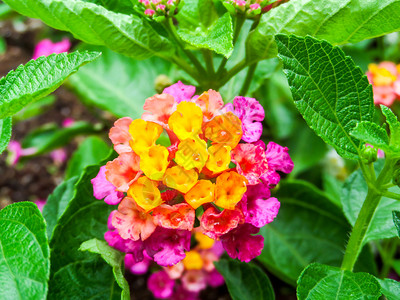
103, 189
47, 47
180, 91
161, 285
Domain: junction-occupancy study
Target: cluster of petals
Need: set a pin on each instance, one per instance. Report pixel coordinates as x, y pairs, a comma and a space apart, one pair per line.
159, 7
385, 80
213, 175
189, 277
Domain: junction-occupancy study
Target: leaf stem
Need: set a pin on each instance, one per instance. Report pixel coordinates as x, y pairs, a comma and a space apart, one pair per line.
356, 240
391, 195
232, 72
247, 81
208, 58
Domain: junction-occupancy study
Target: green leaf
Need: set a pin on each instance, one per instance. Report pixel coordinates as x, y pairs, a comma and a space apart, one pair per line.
92, 151
353, 194
117, 83
245, 281
331, 93
394, 126
321, 282
127, 34
50, 136
309, 228
218, 37
337, 21
35, 108
372, 133
114, 258
74, 272
121, 6
191, 14
5, 133
37, 79
396, 220
390, 288
57, 202
24, 255
332, 187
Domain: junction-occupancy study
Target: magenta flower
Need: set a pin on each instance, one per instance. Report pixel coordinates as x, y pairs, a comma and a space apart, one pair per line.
103, 189
180, 91
40, 203
47, 47
137, 268
161, 285
15, 152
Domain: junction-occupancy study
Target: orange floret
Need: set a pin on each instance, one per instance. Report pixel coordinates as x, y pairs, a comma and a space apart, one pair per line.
186, 121
144, 135
193, 260
192, 153
145, 193
154, 162
180, 179
202, 192
219, 158
229, 189
225, 130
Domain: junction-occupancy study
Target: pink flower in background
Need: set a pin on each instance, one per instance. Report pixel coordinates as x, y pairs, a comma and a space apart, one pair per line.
15, 152
40, 203
47, 47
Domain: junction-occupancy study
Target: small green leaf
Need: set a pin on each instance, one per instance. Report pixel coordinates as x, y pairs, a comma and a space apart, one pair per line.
390, 288
245, 281
24, 255
353, 194
5, 133
50, 136
37, 79
191, 14
331, 93
396, 220
74, 272
92, 151
114, 258
117, 83
127, 34
371, 133
394, 126
57, 202
218, 37
321, 282
309, 228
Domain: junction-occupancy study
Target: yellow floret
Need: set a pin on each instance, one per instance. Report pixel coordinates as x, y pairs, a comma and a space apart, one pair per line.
192, 153
202, 192
204, 242
229, 189
145, 193
144, 135
193, 261
154, 162
186, 121
219, 158
180, 179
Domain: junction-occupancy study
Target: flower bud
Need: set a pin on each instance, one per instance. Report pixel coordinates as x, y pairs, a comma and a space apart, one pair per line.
159, 8
369, 154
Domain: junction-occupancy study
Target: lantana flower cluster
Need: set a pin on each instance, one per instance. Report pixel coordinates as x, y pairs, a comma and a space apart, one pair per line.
385, 79
154, 8
214, 176
189, 277
249, 7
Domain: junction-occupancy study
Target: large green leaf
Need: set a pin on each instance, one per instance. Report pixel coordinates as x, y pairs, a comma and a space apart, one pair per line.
309, 228
5, 133
331, 93
353, 194
24, 255
114, 258
117, 83
57, 202
91, 152
122, 6
321, 282
396, 220
37, 79
390, 288
94, 24
245, 281
74, 272
50, 136
337, 21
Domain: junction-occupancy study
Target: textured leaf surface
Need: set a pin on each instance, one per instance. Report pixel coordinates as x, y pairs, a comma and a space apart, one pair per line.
353, 194
245, 281
373, 134
5, 133
394, 126
83, 273
390, 288
37, 79
331, 93
91, 152
396, 220
309, 228
337, 21
57, 202
218, 37
114, 258
127, 34
117, 83
24, 255
321, 282
50, 136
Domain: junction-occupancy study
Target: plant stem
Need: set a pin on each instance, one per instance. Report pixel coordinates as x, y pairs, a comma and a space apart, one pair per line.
232, 72
365, 216
391, 195
247, 81
208, 58
169, 26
